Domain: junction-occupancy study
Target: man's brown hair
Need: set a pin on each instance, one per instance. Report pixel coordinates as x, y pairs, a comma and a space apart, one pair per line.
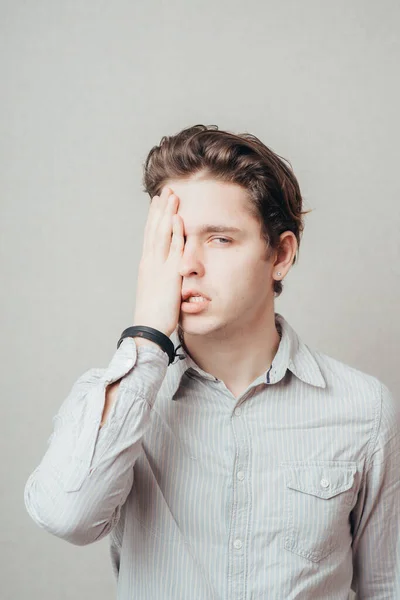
209, 153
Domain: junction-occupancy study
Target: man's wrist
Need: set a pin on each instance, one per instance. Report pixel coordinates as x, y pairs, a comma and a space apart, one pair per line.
139, 341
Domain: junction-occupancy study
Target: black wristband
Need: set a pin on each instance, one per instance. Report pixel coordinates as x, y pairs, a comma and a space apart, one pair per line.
154, 336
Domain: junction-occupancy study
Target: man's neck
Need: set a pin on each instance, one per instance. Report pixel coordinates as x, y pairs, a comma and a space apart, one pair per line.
237, 359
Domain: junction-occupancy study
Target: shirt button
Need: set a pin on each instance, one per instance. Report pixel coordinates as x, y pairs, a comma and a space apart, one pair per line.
324, 483
237, 544
238, 411
240, 475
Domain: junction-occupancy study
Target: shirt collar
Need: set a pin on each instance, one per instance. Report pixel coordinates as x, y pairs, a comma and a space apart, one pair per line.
292, 354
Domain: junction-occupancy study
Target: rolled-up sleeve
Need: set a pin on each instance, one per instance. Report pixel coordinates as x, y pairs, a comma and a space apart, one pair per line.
376, 518
77, 491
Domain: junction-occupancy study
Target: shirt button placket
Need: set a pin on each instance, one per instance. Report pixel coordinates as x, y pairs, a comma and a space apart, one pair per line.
240, 506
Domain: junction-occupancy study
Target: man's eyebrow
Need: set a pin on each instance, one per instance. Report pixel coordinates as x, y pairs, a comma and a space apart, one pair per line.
218, 229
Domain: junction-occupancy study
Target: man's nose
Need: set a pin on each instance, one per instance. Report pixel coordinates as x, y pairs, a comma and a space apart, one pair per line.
191, 262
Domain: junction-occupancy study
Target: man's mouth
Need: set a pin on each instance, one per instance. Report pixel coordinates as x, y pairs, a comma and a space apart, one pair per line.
197, 299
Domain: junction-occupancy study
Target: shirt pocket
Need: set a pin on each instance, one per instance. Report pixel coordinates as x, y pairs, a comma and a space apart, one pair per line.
319, 497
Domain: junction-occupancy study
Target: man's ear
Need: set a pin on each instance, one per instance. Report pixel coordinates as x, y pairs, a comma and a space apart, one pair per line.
285, 253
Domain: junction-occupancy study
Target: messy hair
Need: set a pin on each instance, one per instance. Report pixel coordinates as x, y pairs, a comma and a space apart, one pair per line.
206, 152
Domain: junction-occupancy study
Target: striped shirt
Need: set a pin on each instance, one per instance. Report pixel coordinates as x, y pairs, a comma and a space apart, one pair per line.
290, 491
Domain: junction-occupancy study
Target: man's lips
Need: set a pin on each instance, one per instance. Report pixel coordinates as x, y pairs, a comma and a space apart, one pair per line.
189, 293
193, 307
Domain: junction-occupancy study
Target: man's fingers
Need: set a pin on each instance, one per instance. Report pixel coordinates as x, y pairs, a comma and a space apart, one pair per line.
177, 242
155, 216
165, 231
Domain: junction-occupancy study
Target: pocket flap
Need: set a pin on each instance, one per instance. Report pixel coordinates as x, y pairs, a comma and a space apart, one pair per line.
322, 481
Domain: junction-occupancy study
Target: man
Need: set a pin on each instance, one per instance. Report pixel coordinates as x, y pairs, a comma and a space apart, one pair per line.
251, 466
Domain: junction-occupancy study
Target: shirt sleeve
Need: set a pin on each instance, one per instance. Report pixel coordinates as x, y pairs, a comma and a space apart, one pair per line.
77, 491
376, 520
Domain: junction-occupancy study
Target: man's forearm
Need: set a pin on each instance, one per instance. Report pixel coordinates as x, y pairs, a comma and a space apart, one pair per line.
85, 474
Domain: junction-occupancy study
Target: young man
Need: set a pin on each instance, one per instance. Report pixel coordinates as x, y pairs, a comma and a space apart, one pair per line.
245, 465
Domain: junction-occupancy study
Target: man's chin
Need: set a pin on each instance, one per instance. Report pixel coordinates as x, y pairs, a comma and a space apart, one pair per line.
192, 326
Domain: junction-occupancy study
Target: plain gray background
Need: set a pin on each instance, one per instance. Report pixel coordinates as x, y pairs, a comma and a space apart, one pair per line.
87, 88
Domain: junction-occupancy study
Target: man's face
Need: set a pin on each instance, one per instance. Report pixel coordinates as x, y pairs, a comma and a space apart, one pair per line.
227, 267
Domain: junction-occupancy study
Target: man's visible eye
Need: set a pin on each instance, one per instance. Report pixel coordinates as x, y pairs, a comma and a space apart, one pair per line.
224, 239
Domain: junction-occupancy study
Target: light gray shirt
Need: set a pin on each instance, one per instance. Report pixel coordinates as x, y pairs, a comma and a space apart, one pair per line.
289, 492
